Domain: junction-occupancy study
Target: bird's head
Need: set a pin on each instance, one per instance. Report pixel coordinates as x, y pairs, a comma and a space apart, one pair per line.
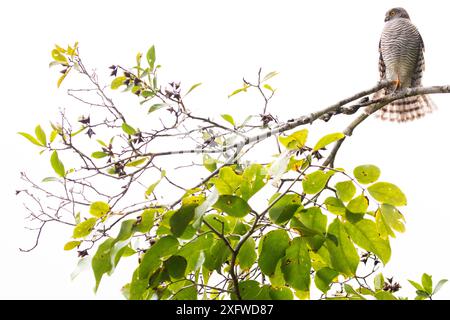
396, 13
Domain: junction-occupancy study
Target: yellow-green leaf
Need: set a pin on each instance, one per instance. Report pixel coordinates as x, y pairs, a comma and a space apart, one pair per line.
228, 118
326, 140
84, 228
71, 245
99, 209
58, 56
117, 82
192, 88
99, 154
137, 162
30, 138
40, 135
128, 129
57, 165
389, 193
295, 140
366, 173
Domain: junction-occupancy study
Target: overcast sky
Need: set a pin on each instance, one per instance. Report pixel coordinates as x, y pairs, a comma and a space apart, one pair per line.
324, 51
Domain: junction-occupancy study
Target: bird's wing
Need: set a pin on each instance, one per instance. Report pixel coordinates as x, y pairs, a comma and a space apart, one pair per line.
416, 79
381, 65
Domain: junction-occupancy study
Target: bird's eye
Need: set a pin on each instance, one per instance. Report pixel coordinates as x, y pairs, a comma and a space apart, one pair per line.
392, 13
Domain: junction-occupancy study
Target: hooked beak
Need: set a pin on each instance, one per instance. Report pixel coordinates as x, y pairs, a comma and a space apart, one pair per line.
387, 18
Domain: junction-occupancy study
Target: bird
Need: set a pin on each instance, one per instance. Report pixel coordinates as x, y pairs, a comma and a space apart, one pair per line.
401, 59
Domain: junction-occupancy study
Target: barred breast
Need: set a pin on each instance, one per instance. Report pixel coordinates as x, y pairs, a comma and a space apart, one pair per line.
400, 48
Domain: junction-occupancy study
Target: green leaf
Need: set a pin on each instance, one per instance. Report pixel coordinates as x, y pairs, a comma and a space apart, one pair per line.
416, 285
151, 260
204, 206
272, 248
98, 154
137, 162
352, 292
194, 250
84, 228
58, 56
324, 277
388, 218
145, 223
228, 118
283, 210
209, 163
366, 174
181, 219
326, 140
217, 254
53, 135
345, 190
218, 222
151, 57
247, 254
101, 262
315, 182
249, 290
156, 106
233, 205
30, 138
388, 193
378, 282
192, 88
117, 82
314, 220
57, 165
99, 209
186, 293
243, 89
364, 234
439, 286
358, 204
228, 182
427, 283
268, 87
253, 179
295, 140
61, 79
269, 76
384, 295
176, 266
296, 265
334, 205
282, 293
343, 255
152, 187
126, 230
40, 135
422, 295
71, 245
128, 129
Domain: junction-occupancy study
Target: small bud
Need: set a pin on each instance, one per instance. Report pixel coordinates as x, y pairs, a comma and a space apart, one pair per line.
90, 132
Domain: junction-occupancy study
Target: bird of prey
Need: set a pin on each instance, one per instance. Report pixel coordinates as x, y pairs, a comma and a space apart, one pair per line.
401, 60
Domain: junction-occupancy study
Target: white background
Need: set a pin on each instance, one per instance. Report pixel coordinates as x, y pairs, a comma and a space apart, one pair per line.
324, 51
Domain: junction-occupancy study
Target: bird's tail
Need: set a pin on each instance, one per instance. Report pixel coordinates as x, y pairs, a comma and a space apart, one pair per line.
407, 109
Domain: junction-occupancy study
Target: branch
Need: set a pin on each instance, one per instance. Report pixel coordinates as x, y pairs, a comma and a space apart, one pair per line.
375, 105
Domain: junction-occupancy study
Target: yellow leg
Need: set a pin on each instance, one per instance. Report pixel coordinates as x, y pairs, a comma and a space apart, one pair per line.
397, 83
